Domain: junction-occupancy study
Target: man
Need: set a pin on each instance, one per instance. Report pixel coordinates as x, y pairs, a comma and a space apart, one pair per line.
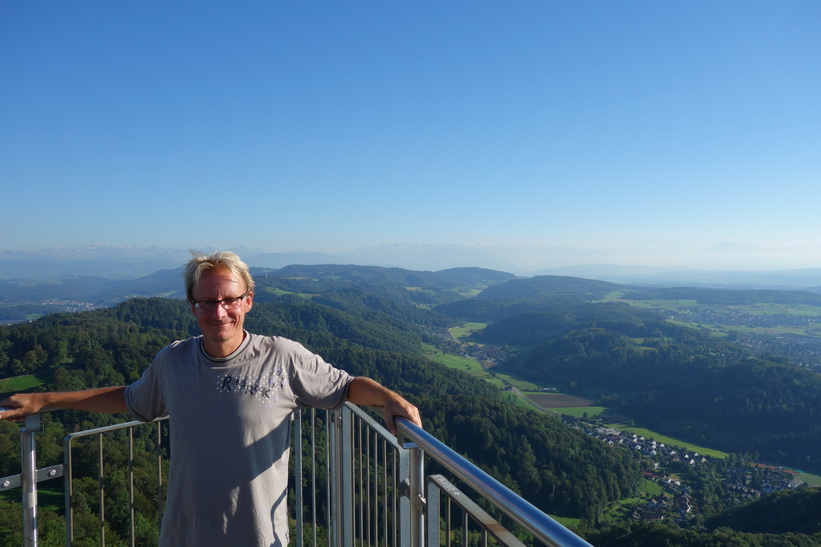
229, 395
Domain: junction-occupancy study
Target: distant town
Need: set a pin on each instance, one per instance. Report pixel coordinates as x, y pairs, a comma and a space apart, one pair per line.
799, 350
679, 499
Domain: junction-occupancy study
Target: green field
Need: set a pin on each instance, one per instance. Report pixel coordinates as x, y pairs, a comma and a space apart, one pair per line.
524, 385
463, 364
651, 488
580, 411
20, 383
471, 366
812, 480
671, 441
466, 329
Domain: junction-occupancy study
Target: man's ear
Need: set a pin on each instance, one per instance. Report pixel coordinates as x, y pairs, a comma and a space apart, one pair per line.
249, 301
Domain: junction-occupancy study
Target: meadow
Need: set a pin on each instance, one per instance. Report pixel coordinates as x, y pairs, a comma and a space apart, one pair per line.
9, 386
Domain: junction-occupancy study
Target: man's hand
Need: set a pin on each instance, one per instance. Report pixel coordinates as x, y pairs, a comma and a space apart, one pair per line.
400, 407
366, 392
20, 405
110, 400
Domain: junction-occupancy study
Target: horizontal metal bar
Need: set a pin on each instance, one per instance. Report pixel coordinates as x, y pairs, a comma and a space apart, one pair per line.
44, 474
41, 411
50, 472
12, 481
108, 428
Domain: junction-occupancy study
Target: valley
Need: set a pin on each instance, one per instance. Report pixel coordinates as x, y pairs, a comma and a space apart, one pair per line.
576, 377
673, 489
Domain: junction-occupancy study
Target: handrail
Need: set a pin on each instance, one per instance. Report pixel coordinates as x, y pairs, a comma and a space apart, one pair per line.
41, 411
543, 527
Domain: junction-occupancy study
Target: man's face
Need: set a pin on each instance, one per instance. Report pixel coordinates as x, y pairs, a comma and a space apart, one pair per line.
222, 329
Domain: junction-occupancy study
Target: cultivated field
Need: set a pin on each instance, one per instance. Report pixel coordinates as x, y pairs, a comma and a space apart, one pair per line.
558, 400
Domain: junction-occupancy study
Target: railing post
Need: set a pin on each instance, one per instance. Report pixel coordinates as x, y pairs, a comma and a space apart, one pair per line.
131, 508
403, 480
69, 489
432, 513
101, 486
296, 422
346, 460
28, 458
417, 500
160, 497
411, 503
342, 471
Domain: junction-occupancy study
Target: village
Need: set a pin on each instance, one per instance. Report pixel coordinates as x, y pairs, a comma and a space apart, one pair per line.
665, 465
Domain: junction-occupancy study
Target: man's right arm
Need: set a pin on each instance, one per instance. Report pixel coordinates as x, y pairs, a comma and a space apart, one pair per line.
109, 400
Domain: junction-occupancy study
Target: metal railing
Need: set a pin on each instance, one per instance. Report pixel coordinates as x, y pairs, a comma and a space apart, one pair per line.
99, 434
364, 486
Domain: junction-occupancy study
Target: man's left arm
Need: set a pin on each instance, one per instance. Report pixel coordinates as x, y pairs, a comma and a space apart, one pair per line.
366, 392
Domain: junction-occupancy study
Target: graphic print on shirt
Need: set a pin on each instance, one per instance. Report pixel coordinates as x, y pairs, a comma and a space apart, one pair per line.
265, 389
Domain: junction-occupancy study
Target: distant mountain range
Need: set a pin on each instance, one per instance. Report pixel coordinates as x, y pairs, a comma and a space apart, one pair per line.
125, 262
133, 262
802, 279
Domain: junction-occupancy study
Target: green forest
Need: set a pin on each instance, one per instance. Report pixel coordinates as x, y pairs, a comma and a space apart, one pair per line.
374, 322
113, 346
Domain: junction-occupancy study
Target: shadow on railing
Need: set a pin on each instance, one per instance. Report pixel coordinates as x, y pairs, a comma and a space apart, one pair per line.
353, 482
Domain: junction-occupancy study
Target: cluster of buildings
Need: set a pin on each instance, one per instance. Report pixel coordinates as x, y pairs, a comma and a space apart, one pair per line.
676, 501
657, 453
661, 506
800, 350
748, 484
484, 353
71, 305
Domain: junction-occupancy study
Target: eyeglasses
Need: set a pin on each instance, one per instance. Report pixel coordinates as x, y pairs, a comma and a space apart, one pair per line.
226, 303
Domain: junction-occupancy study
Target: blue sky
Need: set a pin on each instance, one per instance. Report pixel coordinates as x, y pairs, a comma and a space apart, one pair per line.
628, 132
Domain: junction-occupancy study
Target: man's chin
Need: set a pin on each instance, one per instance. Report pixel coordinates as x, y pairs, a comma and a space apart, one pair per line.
220, 334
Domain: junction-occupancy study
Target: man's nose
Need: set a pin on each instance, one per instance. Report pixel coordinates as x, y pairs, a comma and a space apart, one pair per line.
220, 311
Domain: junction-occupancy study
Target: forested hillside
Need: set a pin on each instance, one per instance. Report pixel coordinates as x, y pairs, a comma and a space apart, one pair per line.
529, 452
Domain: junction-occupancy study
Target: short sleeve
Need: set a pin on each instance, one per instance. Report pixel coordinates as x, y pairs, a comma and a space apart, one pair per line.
145, 398
316, 383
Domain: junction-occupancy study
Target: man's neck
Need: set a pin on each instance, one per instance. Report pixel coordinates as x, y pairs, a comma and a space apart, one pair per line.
222, 350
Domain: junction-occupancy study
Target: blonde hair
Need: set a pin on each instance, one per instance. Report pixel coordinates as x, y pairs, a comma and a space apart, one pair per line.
218, 260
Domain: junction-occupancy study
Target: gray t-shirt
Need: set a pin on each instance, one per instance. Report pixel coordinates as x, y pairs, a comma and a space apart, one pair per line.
230, 434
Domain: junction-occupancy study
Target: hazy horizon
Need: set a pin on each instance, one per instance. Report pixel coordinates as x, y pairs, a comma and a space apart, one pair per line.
542, 135
518, 260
